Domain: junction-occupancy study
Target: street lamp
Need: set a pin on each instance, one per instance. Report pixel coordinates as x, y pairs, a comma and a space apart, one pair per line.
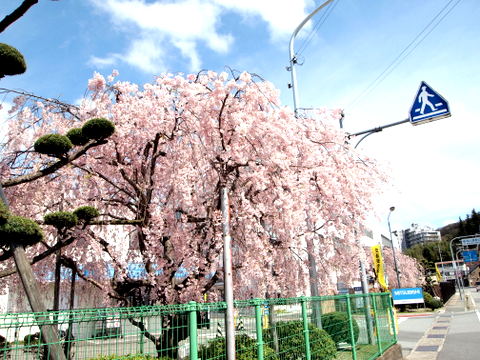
393, 247
293, 56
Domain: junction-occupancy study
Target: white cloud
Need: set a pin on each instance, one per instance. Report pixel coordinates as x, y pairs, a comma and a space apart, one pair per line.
281, 16
147, 55
183, 23
108, 61
187, 23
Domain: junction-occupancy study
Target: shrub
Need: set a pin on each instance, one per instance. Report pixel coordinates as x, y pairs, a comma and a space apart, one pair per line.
291, 341
11, 61
245, 349
21, 231
4, 213
98, 128
337, 325
53, 144
61, 219
76, 137
431, 302
86, 213
31, 339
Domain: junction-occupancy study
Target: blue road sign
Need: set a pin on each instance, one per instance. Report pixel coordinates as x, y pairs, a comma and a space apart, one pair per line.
428, 106
470, 256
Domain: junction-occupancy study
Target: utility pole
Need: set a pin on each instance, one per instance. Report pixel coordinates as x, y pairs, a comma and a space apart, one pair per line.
393, 248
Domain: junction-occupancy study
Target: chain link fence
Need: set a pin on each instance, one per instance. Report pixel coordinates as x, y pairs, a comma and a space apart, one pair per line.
328, 327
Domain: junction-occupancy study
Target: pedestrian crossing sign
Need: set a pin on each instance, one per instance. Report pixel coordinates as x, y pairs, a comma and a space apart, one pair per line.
428, 105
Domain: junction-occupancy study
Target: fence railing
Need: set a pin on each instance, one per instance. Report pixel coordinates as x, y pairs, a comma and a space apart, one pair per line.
341, 327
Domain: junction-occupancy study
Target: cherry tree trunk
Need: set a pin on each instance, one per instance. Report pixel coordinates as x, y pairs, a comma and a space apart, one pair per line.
24, 269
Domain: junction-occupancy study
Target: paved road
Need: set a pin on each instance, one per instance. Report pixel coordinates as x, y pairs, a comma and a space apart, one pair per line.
463, 339
451, 334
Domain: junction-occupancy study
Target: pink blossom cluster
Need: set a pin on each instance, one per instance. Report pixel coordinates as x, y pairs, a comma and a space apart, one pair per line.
295, 187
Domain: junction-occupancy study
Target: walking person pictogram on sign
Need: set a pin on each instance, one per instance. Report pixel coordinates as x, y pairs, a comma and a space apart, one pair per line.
423, 99
428, 105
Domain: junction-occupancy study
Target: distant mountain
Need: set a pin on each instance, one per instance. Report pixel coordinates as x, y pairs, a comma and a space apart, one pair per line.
469, 226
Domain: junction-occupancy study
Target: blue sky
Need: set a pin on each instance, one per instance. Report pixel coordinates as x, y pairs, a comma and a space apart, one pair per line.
434, 167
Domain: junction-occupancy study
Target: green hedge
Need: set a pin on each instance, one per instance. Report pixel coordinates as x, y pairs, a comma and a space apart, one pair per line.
431, 302
291, 341
337, 325
245, 349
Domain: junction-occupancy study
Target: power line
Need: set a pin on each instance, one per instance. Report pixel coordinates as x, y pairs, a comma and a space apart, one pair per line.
427, 30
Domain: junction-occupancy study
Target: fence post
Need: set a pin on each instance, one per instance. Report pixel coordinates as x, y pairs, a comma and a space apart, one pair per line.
389, 302
375, 317
141, 334
258, 327
192, 330
368, 316
306, 335
350, 325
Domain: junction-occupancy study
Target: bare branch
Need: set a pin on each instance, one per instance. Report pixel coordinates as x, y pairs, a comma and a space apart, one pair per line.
16, 14
54, 167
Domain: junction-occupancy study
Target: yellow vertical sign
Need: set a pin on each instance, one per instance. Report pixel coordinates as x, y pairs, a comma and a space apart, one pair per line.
378, 266
438, 273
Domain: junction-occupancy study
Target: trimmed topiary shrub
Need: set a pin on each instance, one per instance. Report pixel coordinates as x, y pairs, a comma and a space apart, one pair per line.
245, 349
431, 302
61, 219
86, 213
4, 213
337, 325
31, 339
98, 128
21, 231
291, 341
11, 61
76, 137
53, 144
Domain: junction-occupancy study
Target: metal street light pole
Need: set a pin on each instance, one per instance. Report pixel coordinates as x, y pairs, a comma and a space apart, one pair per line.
228, 273
461, 277
457, 280
393, 247
293, 56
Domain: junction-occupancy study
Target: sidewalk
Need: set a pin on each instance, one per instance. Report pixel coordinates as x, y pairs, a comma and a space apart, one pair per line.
428, 347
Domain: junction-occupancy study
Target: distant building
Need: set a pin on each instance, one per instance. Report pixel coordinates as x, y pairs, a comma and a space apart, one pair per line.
419, 235
447, 269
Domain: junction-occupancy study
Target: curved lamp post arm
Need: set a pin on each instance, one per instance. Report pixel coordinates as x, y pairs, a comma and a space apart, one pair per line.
293, 57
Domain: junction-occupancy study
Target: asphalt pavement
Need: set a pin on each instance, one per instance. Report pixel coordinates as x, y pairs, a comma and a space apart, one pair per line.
452, 333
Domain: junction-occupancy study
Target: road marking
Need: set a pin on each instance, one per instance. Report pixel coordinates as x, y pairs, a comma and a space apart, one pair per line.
478, 314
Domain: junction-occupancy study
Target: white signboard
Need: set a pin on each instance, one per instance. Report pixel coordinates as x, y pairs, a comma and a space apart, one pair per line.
471, 241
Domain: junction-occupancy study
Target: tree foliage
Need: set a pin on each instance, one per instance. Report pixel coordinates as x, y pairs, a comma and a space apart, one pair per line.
11, 61
177, 141
429, 253
468, 226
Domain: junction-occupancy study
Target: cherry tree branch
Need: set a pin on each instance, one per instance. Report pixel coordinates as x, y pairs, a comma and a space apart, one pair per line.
54, 167
16, 14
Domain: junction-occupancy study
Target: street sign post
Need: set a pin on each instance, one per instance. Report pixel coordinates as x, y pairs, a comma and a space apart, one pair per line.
428, 105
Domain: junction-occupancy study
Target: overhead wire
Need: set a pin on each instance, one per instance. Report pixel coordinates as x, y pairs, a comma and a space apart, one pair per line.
427, 30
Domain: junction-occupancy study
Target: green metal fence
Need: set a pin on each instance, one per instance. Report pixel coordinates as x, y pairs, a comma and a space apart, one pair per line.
341, 327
